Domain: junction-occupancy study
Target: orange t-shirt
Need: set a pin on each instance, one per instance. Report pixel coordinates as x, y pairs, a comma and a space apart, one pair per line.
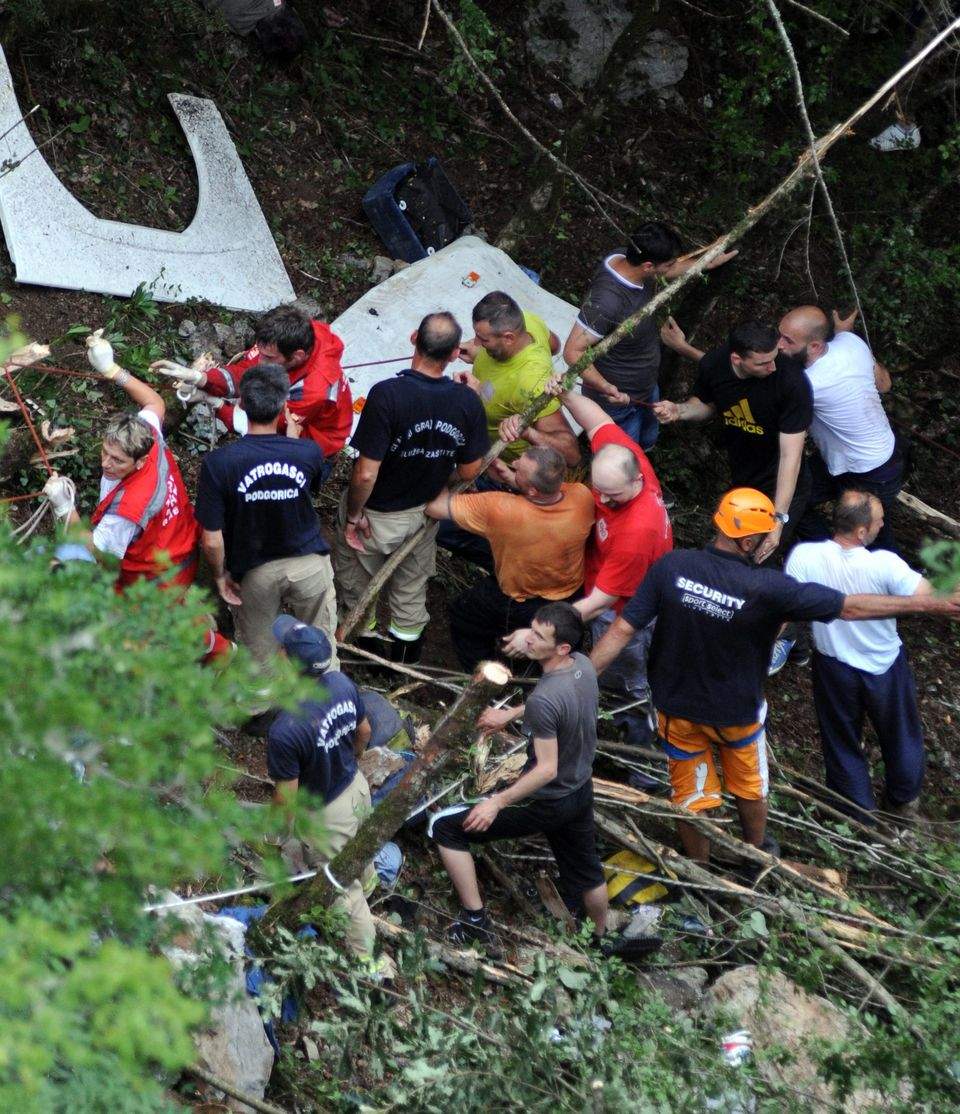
537, 550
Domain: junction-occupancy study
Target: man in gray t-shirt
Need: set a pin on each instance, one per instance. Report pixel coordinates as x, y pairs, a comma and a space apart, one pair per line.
553, 795
624, 380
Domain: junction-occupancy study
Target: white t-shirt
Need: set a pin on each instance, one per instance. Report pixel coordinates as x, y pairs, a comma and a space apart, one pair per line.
113, 533
850, 427
868, 644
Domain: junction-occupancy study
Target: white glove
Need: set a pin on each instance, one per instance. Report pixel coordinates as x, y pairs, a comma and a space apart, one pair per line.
190, 396
100, 355
172, 370
60, 491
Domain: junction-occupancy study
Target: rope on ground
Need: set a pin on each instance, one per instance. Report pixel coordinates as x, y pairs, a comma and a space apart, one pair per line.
821, 181
752, 217
233, 1092
26, 415
593, 193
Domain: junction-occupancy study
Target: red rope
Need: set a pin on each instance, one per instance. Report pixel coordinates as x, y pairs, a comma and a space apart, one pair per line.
376, 363
20, 498
29, 420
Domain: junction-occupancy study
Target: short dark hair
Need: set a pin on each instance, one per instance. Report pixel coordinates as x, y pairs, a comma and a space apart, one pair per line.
853, 509
752, 336
566, 622
653, 242
281, 36
438, 336
499, 311
550, 468
288, 328
263, 392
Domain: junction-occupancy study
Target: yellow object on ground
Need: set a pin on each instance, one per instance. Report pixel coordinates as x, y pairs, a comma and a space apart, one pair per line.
625, 883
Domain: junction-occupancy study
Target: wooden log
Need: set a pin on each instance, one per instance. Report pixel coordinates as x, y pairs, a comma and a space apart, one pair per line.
452, 734
462, 961
930, 516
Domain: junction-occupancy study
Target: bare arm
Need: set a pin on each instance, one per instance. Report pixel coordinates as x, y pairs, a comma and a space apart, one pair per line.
554, 343
676, 339
576, 344
693, 410
211, 541
362, 479
470, 469
586, 412
143, 395
881, 376
594, 604
791, 457
553, 430
685, 262
439, 507
864, 606
611, 644
362, 738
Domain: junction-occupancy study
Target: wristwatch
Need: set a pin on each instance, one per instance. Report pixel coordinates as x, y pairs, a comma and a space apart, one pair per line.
782, 517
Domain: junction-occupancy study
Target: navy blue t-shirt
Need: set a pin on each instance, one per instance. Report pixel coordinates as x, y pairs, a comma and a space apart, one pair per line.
419, 427
257, 491
315, 743
717, 618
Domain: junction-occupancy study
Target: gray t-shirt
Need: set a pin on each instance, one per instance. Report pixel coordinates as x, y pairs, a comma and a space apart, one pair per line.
243, 15
634, 363
564, 706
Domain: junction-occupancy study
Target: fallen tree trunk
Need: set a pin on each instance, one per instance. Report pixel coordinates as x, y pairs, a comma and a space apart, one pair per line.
453, 734
930, 516
804, 167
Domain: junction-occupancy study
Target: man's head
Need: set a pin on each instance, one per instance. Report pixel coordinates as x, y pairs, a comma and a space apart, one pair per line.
498, 325
285, 337
753, 349
306, 645
615, 476
743, 517
438, 338
539, 472
263, 393
653, 248
857, 516
805, 333
127, 441
281, 36
556, 631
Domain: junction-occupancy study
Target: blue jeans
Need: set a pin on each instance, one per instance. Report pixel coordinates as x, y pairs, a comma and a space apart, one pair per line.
844, 697
638, 421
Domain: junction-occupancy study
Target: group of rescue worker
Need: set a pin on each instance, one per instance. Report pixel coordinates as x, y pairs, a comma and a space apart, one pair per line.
580, 578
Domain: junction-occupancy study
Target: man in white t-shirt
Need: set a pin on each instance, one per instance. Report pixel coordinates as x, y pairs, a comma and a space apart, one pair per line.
850, 427
860, 669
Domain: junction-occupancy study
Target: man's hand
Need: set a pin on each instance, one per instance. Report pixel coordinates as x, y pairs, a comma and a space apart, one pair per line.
355, 533
511, 429
495, 719
666, 412
844, 324
723, 257
482, 815
502, 473
514, 645
294, 427
615, 395
768, 545
468, 379
172, 370
229, 590
468, 350
100, 355
60, 492
555, 386
672, 335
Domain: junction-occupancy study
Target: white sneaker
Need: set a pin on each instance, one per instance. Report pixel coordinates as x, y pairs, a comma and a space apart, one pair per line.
897, 137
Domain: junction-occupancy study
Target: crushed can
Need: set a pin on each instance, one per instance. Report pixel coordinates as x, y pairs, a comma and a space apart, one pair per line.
736, 1048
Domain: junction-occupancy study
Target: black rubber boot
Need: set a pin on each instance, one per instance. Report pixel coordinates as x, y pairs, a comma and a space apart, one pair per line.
406, 653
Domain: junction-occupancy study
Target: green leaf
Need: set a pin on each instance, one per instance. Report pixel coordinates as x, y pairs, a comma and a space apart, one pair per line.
573, 980
80, 125
758, 922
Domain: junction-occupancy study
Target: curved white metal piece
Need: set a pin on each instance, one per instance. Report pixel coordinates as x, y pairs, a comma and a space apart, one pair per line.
226, 256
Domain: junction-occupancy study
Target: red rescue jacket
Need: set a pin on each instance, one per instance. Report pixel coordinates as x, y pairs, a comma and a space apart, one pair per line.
155, 499
319, 391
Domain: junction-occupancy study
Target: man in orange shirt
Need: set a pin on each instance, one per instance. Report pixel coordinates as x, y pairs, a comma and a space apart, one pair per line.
537, 537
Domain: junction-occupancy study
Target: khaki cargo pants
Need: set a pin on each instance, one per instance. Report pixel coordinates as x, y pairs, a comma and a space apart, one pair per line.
342, 817
407, 588
301, 585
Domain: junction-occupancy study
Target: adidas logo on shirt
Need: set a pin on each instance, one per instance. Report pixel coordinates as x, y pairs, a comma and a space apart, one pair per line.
740, 415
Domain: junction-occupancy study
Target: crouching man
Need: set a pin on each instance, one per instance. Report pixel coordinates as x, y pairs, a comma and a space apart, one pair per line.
317, 747
553, 795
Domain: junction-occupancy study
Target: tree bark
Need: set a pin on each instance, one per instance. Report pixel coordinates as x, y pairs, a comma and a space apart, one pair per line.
452, 735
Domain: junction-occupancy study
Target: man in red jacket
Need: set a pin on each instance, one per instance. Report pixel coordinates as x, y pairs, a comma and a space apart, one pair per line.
143, 515
320, 402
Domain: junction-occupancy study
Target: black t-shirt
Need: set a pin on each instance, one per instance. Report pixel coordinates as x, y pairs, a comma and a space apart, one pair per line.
419, 427
717, 618
315, 743
754, 413
257, 491
634, 362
